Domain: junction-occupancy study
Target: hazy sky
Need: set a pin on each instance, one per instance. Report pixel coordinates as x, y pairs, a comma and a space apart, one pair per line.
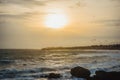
89, 22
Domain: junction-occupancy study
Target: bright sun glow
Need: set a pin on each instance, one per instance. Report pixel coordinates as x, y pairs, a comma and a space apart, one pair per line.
55, 20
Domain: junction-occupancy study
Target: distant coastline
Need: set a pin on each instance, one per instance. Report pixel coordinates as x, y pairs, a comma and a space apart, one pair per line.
103, 47
97, 47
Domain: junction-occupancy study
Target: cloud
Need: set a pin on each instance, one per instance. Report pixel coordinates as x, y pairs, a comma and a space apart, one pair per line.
3, 16
77, 4
26, 15
111, 22
26, 3
22, 8
117, 2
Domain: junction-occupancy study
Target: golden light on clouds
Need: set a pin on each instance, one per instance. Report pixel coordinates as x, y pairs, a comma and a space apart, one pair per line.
56, 21
43, 23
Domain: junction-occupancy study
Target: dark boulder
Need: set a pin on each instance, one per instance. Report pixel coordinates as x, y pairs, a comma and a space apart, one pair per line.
102, 75
80, 72
54, 75
99, 75
113, 75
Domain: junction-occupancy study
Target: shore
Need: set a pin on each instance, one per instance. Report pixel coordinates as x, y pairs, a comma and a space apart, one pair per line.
77, 73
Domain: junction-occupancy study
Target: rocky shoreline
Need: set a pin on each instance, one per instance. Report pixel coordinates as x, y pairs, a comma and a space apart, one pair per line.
84, 74
77, 73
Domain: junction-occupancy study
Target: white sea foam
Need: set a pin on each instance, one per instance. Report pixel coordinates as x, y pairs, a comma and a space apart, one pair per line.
35, 65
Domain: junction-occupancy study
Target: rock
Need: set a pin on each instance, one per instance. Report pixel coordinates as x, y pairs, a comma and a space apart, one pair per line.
102, 75
6, 61
44, 76
113, 75
80, 72
99, 75
54, 75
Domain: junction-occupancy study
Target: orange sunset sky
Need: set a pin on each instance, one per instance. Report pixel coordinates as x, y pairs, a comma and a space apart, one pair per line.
51, 23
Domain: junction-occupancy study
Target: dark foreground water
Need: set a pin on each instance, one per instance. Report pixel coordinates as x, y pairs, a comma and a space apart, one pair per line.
31, 64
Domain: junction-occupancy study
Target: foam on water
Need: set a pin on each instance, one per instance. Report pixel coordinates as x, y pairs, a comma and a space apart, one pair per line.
35, 65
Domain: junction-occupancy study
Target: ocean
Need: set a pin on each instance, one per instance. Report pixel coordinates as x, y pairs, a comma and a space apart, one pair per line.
31, 64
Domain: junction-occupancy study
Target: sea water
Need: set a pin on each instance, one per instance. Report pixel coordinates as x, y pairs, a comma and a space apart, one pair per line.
32, 64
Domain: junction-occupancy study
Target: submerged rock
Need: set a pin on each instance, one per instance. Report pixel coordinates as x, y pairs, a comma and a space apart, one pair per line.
54, 75
6, 61
80, 72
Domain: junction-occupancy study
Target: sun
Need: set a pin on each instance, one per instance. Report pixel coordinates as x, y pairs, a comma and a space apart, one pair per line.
56, 20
